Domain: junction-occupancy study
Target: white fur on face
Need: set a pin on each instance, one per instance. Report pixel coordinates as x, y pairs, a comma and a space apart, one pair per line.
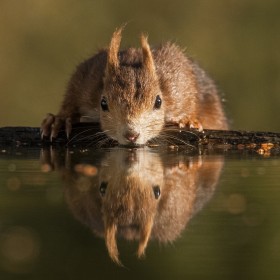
148, 124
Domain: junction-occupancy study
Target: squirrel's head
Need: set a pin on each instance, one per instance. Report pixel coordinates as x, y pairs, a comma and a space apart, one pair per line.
131, 106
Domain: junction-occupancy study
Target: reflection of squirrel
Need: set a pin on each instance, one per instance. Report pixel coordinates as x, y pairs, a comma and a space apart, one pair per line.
134, 92
138, 194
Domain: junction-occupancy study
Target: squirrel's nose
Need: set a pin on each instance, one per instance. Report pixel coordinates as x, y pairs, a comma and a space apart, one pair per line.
131, 136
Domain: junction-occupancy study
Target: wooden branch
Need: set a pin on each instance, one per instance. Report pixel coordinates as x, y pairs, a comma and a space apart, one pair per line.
83, 134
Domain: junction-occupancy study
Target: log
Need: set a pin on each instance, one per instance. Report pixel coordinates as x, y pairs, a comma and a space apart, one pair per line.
84, 134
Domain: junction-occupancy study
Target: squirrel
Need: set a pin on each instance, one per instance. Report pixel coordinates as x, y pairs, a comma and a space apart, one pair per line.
134, 93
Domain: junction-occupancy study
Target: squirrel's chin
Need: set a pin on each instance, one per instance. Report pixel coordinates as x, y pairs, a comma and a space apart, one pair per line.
125, 143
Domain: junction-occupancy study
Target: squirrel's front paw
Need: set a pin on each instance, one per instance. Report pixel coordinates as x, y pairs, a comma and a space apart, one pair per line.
52, 124
195, 125
191, 124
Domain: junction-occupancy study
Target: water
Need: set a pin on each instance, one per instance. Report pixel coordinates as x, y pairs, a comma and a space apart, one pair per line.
210, 216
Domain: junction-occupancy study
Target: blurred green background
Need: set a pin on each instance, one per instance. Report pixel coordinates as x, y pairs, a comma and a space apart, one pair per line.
237, 42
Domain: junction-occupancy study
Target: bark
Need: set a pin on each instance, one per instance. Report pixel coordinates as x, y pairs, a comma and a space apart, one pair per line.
84, 134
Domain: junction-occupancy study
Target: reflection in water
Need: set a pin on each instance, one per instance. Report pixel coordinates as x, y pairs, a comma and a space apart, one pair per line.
136, 194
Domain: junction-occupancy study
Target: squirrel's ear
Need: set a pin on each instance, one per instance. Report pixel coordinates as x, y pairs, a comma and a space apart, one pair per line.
148, 61
112, 59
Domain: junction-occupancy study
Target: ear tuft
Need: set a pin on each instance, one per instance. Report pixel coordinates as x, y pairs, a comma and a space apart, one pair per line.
113, 50
148, 61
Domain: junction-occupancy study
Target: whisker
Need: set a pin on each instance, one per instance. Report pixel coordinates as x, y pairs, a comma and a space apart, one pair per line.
168, 139
165, 136
97, 135
90, 137
79, 134
98, 142
88, 117
100, 139
177, 130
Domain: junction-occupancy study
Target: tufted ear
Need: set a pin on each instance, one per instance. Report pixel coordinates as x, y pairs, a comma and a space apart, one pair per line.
148, 61
112, 59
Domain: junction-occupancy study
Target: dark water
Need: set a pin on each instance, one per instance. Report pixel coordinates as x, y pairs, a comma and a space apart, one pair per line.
211, 216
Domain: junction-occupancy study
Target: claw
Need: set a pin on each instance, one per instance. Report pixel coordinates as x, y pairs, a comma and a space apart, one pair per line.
46, 125
181, 125
58, 122
196, 125
191, 124
52, 137
52, 124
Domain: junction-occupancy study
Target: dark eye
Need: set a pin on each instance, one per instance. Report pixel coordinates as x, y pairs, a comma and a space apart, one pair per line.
102, 188
156, 191
104, 104
157, 102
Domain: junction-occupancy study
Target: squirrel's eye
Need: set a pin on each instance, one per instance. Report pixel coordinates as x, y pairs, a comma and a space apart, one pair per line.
156, 191
104, 104
157, 102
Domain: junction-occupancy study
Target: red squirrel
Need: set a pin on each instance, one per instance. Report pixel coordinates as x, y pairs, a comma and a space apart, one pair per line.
134, 93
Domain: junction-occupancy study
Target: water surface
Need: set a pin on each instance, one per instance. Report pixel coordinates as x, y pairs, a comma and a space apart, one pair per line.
68, 214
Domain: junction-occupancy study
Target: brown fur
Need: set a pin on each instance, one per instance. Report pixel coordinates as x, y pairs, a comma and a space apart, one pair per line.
130, 81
